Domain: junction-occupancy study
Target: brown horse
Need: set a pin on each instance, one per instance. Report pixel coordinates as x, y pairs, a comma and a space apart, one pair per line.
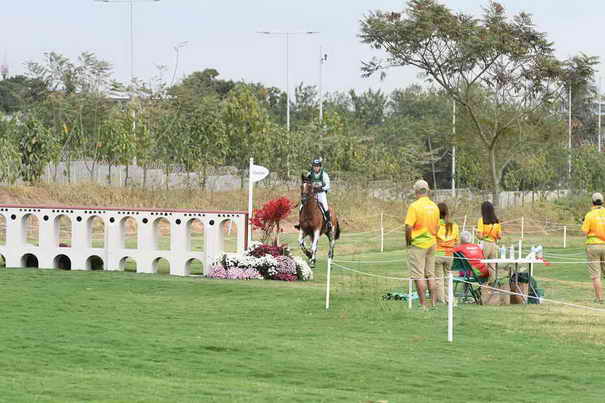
311, 222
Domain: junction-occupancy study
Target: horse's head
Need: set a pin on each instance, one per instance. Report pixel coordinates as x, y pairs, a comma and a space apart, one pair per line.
306, 190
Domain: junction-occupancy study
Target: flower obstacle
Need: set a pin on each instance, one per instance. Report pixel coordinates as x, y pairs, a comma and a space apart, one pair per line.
82, 238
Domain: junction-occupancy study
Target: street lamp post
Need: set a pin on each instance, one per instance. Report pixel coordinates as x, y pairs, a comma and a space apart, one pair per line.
131, 7
323, 57
287, 36
177, 50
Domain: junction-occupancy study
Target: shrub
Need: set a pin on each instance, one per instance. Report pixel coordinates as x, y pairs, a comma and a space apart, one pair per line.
268, 218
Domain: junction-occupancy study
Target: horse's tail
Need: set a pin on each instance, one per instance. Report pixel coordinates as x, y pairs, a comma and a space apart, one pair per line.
337, 231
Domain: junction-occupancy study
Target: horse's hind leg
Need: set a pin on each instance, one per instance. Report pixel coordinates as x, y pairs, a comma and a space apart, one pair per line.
332, 242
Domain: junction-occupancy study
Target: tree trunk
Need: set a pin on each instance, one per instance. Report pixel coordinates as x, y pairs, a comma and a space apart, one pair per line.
432, 164
69, 171
495, 177
109, 174
204, 176
126, 176
276, 243
144, 176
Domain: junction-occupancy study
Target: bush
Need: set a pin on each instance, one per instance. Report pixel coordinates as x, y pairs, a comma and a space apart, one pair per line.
261, 261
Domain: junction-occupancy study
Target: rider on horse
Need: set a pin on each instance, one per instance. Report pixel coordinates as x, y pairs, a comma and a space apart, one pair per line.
321, 185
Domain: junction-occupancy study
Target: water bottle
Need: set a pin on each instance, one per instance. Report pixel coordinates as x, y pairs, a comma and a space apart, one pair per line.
502, 252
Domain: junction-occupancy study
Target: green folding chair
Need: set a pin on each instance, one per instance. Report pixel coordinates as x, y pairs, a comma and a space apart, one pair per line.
471, 282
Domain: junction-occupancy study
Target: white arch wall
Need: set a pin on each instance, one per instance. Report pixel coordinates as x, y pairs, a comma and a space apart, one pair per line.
113, 251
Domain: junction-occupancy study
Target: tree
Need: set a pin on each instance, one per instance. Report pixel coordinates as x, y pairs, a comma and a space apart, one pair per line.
248, 128
202, 83
17, 92
579, 79
497, 69
587, 170
117, 139
369, 108
10, 157
36, 147
205, 137
77, 104
305, 109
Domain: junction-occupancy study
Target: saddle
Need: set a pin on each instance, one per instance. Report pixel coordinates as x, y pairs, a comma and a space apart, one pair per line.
323, 215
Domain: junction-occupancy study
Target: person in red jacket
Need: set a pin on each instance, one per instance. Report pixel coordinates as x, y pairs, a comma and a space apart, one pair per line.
473, 253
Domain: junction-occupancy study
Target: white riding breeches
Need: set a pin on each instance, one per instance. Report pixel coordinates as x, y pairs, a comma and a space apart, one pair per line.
323, 199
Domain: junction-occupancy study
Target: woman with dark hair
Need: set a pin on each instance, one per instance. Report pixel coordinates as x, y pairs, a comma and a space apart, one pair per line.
448, 238
489, 231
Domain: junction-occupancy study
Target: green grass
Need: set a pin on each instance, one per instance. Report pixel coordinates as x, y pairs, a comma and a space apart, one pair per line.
107, 336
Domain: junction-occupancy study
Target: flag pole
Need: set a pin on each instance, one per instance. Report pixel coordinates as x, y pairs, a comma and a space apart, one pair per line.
250, 186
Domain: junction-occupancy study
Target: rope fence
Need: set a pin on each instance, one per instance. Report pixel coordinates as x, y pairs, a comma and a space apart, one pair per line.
379, 283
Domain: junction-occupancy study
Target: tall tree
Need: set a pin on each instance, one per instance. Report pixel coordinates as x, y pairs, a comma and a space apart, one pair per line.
248, 128
498, 69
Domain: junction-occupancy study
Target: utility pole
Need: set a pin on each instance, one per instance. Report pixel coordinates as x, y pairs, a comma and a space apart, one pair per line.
131, 8
600, 101
454, 148
287, 35
569, 143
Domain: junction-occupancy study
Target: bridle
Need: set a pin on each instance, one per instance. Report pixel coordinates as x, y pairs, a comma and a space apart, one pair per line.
306, 193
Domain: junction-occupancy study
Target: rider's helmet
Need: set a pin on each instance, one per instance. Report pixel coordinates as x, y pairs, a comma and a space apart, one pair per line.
316, 162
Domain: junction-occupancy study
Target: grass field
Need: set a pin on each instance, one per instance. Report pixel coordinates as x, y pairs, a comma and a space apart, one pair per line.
107, 336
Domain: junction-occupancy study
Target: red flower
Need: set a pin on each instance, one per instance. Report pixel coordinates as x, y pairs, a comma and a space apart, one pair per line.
268, 218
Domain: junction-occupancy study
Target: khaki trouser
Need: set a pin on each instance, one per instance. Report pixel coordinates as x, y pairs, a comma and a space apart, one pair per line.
490, 251
421, 262
442, 269
596, 260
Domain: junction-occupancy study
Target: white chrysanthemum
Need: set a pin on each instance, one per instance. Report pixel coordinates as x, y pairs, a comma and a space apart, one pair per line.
304, 271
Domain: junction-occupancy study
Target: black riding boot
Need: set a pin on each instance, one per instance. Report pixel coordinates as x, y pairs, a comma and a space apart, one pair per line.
328, 221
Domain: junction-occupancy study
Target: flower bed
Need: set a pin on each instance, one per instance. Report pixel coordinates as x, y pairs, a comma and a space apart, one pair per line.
259, 262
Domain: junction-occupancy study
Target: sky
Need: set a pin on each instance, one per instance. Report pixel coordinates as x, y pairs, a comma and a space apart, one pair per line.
223, 35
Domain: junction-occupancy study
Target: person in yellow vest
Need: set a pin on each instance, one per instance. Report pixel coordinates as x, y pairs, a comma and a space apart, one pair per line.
489, 231
594, 228
448, 237
421, 227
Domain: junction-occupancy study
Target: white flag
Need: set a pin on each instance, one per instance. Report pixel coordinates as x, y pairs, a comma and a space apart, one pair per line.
258, 173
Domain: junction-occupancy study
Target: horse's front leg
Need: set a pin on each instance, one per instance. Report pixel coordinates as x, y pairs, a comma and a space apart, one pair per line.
316, 235
301, 242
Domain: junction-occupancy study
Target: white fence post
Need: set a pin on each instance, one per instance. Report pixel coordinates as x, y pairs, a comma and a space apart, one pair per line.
564, 236
450, 307
328, 284
382, 232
